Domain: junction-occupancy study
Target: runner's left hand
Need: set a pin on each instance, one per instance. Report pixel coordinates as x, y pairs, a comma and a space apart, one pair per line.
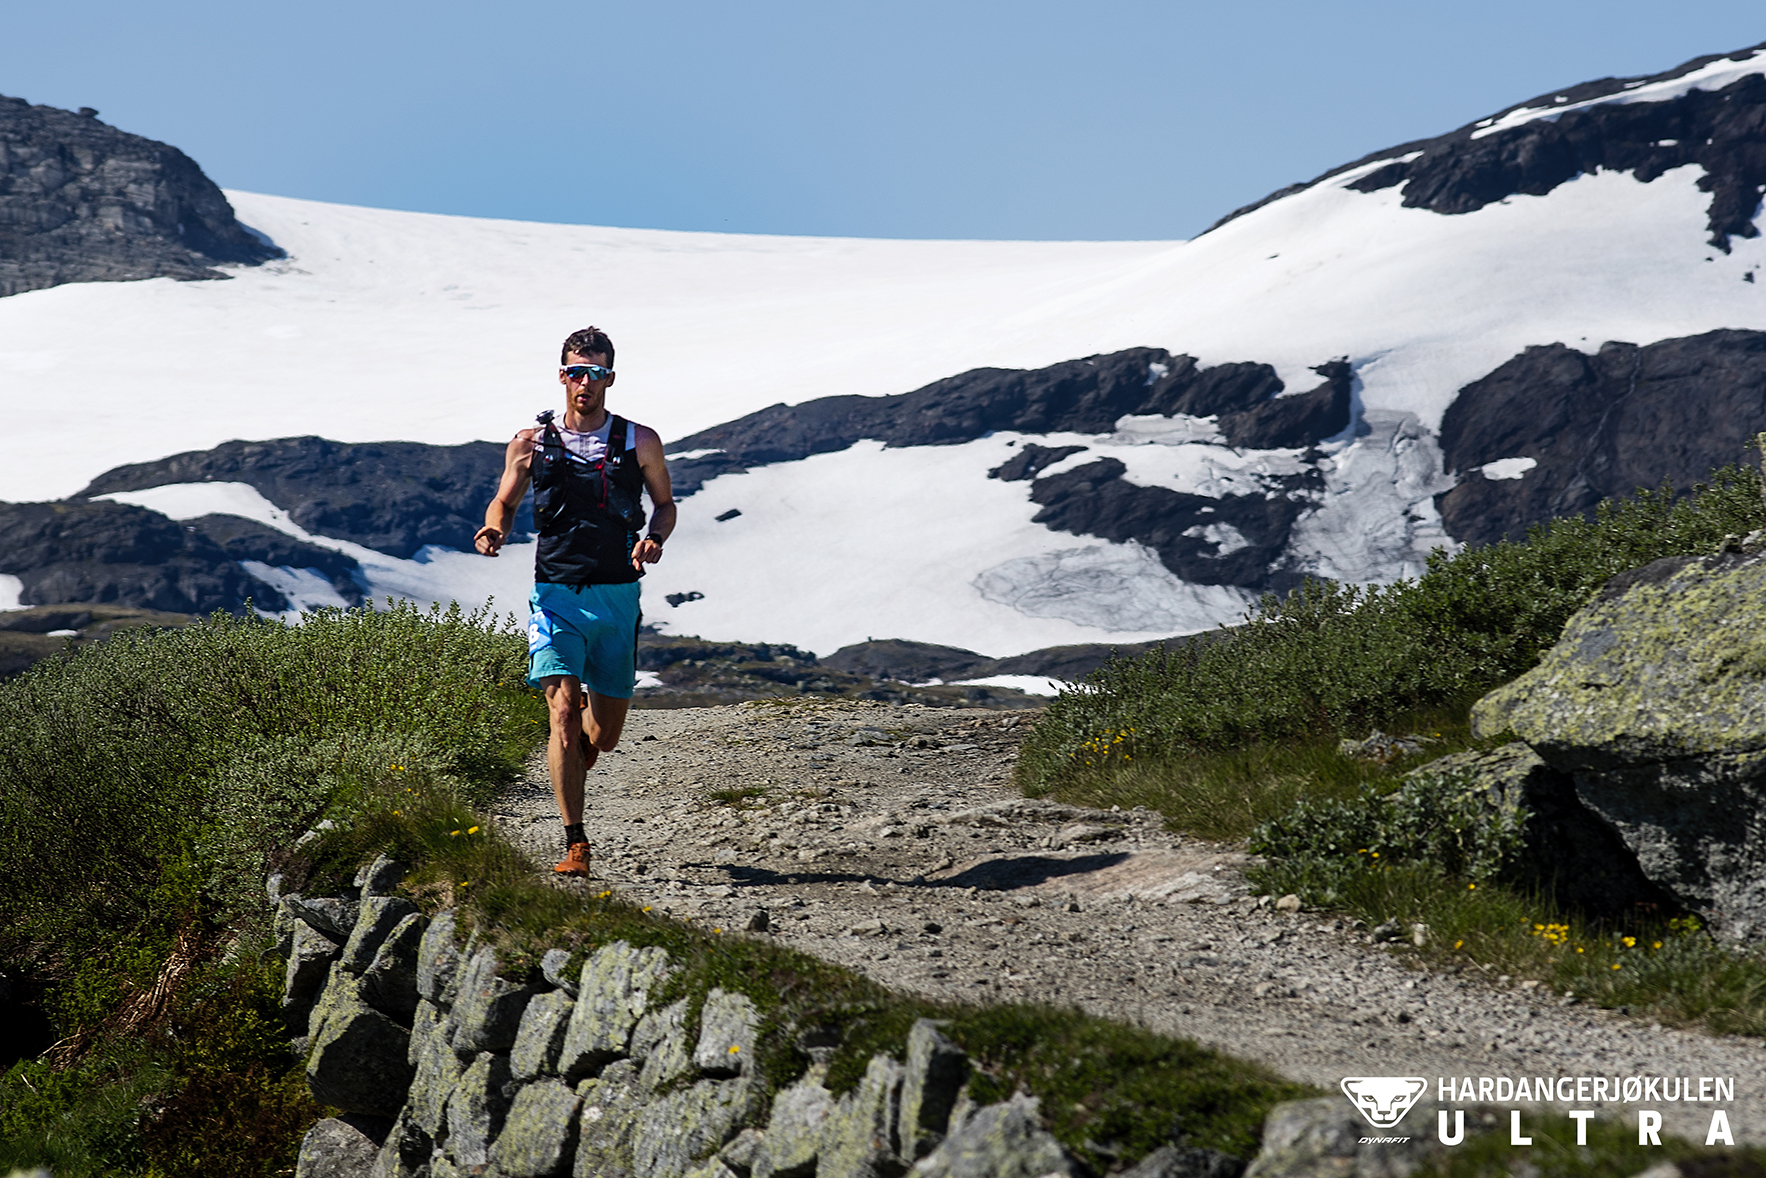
645, 551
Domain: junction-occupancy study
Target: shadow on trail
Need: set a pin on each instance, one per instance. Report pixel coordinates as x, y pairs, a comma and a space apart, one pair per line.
995, 875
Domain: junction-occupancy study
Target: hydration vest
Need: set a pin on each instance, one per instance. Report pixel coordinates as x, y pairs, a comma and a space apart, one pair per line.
588, 514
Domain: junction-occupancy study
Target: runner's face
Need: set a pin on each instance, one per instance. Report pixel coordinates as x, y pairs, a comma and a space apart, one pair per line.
585, 397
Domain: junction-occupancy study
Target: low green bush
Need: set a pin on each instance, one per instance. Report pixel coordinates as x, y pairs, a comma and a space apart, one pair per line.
146, 783
1330, 658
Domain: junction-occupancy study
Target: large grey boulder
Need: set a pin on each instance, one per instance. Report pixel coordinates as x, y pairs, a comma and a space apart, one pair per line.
539, 1134
359, 1056
376, 917
340, 1147
405, 1151
612, 996
1003, 1140
540, 1036
476, 1110
660, 1041
1322, 1139
437, 1070
728, 1026
608, 1123
685, 1128
335, 916
936, 1071
859, 1137
310, 954
487, 1008
438, 958
793, 1138
389, 984
1568, 852
1654, 702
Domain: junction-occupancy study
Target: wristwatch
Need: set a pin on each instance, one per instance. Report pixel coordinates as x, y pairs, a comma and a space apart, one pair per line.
654, 539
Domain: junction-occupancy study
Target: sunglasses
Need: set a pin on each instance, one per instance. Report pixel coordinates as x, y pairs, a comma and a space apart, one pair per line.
587, 372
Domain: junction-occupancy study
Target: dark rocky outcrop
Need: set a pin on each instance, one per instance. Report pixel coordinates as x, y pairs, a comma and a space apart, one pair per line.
395, 497
246, 539
81, 201
1654, 704
115, 554
1598, 426
1095, 500
1085, 396
1723, 131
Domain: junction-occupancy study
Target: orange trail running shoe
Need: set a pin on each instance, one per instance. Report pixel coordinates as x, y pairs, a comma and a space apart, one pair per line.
575, 861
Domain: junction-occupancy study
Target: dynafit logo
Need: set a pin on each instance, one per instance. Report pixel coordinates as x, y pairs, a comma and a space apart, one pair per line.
1383, 1100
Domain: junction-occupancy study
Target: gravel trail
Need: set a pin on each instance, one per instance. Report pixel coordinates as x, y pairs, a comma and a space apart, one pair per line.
890, 840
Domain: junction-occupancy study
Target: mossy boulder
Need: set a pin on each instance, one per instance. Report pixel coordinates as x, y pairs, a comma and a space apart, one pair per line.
1654, 703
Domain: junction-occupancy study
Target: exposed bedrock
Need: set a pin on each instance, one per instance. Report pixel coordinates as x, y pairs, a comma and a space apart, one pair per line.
392, 496
1654, 703
115, 554
1723, 131
1598, 426
118, 554
1082, 396
1234, 540
81, 201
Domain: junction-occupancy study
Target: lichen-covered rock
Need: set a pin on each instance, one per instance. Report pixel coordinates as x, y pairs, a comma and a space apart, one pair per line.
1654, 702
659, 1041
1003, 1140
438, 1069
389, 983
715, 1168
859, 1138
728, 1025
1567, 851
609, 1122
405, 1150
340, 1147
487, 1008
376, 917
332, 915
540, 1036
683, 1129
539, 1134
741, 1151
552, 966
476, 1110
380, 877
794, 1131
936, 1071
1322, 1139
310, 955
359, 1056
438, 958
611, 997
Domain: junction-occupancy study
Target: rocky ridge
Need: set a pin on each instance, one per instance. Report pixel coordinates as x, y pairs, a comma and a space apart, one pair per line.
81, 201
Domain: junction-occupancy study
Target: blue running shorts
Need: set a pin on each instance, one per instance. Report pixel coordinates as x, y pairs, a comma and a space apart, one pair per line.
586, 631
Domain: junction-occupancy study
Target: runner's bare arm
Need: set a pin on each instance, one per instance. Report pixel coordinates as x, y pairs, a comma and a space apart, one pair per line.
662, 499
500, 515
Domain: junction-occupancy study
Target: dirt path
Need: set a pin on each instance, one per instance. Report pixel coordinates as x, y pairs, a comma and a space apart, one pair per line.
890, 840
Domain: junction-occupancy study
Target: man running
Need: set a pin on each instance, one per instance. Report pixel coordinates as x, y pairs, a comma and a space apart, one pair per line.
582, 635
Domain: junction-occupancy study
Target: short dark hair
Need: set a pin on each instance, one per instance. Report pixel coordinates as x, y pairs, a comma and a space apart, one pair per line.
589, 341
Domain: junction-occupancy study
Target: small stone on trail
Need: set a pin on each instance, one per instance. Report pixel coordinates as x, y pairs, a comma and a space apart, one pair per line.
1288, 903
760, 922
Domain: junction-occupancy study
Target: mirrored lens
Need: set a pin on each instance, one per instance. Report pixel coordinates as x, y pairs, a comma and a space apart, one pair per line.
587, 372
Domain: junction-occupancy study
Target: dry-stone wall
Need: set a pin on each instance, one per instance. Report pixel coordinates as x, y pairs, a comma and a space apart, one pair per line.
442, 1066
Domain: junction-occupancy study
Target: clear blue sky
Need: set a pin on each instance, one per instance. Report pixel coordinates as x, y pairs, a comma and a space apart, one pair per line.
1019, 119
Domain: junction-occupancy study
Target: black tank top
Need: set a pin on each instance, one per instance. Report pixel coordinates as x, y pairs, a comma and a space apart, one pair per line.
588, 514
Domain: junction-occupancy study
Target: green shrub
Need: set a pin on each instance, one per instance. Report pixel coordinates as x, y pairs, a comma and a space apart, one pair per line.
1330, 658
145, 785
